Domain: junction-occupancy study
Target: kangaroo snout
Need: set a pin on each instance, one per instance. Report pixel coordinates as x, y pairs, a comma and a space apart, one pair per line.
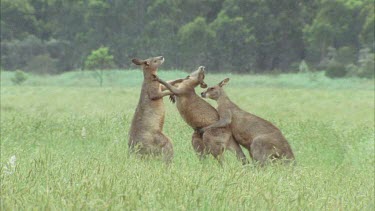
203, 95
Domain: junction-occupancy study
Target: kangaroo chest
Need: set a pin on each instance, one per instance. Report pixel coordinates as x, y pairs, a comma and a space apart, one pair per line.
196, 112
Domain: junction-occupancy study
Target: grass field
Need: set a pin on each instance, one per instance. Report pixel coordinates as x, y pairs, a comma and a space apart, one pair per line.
69, 138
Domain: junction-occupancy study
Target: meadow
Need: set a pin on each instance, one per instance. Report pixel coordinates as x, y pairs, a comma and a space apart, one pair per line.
68, 140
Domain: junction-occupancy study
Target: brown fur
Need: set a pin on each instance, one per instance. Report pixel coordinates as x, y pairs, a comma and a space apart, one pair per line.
145, 135
198, 113
263, 140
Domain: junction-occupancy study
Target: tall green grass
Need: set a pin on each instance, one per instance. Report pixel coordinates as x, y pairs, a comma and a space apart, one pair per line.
69, 137
133, 78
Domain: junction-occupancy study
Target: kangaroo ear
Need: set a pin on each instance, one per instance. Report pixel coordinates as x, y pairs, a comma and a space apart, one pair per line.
137, 61
201, 77
140, 62
224, 82
203, 85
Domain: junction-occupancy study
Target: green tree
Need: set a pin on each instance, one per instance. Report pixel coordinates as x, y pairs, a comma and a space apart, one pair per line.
98, 61
368, 30
239, 35
195, 40
276, 27
336, 24
17, 19
234, 44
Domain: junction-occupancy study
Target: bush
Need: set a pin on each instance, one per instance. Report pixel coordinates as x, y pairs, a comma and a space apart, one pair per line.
366, 63
16, 53
42, 64
303, 67
352, 70
365, 67
346, 55
64, 53
19, 77
335, 69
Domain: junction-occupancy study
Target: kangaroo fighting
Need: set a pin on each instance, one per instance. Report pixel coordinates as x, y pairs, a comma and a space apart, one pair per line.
264, 141
197, 113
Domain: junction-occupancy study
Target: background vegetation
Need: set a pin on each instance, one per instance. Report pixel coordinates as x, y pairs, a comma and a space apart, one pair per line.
64, 139
224, 35
64, 146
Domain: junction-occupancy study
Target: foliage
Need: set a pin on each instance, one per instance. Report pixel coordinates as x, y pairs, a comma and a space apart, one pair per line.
366, 63
42, 64
334, 25
365, 67
19, 77
199, 33
60, 167
303, 67
238, 41
98, 61
346, 55
335, 69
368, 29
224, 35
17, 19
18, 53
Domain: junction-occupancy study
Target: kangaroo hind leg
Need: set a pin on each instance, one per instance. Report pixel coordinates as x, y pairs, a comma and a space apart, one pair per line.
165, 146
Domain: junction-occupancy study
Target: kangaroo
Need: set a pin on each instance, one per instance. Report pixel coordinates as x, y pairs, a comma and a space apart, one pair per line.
145, 135
264, 141
197, 113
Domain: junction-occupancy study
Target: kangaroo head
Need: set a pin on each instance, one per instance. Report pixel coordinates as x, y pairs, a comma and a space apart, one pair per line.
196, 78
149, 64
216, 91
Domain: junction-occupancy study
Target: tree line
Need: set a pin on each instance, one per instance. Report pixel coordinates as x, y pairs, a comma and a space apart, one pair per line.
53, 36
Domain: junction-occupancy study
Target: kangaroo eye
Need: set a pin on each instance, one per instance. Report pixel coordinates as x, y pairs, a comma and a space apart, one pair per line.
155, 61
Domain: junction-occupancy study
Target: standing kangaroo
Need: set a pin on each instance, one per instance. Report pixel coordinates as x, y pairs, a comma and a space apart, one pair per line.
146, 136
263, 140
197, 113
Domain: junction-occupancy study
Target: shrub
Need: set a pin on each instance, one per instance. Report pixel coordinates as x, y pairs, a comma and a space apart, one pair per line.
365, 67
16, 53
346, 55
366, 63
325, 61
352, 70
42, 64
303, 67
335, 69
19, 77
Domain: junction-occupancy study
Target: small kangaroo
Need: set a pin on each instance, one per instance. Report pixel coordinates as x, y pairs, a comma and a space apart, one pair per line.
145, 135
197, 113
263, 140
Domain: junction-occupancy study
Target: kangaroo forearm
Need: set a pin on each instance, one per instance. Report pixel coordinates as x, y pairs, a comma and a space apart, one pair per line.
169, 86
172, 82
160, 95
166, 93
